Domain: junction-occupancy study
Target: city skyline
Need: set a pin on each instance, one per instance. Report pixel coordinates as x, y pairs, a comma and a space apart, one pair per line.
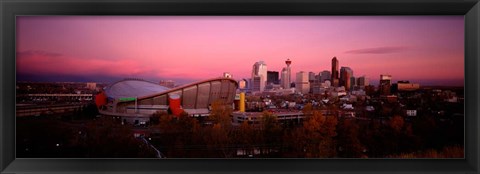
422, 49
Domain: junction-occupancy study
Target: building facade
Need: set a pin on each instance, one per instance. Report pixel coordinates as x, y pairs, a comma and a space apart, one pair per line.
385, 84
272, 77
344, 79
286, 75
335, 74
363, 81
302, 84
135, 100
259, 70
324, 75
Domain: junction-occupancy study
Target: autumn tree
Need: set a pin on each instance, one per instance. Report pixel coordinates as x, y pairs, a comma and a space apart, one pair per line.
217, 137
396, 123
271, 131
107, 139
221, 114
246, 137
318, 136
307, 109
349, 145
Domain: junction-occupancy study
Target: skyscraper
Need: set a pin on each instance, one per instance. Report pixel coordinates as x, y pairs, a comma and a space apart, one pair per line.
272, 77
324, 75
353, 82
334, 78
302, 85
385, 84
256, 81
259, 70
286, 75
343, 78
311, 77
362, 81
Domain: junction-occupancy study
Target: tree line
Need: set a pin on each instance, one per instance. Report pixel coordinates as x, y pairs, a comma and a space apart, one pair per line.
318, 136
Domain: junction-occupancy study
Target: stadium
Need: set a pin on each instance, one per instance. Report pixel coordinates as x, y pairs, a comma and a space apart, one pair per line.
135, 100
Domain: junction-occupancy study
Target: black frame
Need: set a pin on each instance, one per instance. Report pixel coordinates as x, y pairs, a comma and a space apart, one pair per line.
11, 8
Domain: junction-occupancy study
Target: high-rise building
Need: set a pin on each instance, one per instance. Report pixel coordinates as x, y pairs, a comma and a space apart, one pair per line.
335, 75
256, 83
311, 77
272, 77
259, 70
302, 85
286, 75
363, 81
344, 79
352, 83
324, 75
284, 79
385, 84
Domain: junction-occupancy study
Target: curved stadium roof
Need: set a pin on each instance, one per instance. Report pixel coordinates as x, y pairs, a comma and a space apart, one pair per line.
133, 88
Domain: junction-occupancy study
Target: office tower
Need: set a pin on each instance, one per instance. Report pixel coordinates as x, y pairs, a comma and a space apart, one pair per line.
272, 77
256, 83
286, 75
311, 77
324, 75
385, 84
353, 83
335, 75
343, 79
302, 85
259, 70
362, 81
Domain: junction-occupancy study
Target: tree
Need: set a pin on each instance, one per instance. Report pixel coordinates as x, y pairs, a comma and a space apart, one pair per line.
307, 109
397, 123
348, 140
218, 136
245, 137
220, 114
318, 133
271, 131
218, 140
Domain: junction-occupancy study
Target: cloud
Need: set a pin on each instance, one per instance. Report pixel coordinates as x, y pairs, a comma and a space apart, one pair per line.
377, 50
37, 53
43, 62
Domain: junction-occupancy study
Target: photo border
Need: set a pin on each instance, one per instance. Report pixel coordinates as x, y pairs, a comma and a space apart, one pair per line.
12, 8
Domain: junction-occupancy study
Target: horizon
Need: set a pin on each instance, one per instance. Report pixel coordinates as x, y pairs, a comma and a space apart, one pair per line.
428, 50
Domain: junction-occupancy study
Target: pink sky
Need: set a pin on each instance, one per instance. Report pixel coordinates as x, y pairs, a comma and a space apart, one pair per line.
426, 49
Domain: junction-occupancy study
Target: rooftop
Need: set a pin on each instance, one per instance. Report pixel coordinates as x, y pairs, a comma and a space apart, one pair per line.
133, 88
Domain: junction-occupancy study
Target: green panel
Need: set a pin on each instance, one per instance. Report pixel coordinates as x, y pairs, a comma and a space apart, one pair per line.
127, 99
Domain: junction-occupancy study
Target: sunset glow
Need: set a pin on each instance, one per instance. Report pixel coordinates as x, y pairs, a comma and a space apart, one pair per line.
425, 49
